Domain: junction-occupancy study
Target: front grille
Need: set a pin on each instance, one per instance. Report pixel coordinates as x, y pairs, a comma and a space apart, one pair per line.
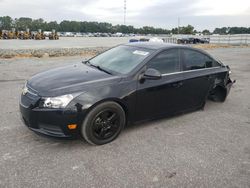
30, 99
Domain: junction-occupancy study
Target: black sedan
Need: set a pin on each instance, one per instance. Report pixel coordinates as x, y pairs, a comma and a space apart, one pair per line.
126, 84
193, 40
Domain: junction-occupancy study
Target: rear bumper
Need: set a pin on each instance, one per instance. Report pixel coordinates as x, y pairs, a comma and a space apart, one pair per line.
51, 122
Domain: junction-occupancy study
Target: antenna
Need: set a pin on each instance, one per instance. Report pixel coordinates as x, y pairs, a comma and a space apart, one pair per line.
125, 7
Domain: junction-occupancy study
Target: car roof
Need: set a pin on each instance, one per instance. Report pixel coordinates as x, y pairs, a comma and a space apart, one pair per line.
162, 46
153, 45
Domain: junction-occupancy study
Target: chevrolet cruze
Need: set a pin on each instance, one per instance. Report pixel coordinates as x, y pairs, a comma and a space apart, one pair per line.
129, 83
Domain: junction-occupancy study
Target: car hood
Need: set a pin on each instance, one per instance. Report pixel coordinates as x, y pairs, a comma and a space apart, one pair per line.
69, 79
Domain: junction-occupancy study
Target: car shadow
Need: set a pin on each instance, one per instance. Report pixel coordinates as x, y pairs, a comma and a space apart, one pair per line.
208, 106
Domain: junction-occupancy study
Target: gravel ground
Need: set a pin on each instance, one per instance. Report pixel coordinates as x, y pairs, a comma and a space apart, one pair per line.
65, 46
64, 42
47, 52
208, 148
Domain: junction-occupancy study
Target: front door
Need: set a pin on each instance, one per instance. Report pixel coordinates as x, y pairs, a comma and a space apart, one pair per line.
159, 97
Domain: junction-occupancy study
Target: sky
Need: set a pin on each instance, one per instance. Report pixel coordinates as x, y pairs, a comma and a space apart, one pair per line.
202, 14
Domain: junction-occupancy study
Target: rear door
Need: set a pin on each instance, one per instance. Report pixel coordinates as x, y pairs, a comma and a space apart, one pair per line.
197, 78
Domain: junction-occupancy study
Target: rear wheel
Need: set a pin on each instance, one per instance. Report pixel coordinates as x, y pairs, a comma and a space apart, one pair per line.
103, 123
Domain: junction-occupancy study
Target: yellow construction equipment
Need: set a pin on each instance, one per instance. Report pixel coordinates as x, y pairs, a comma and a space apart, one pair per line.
24, 35
39, 35
9, 34
4, 34
53, 35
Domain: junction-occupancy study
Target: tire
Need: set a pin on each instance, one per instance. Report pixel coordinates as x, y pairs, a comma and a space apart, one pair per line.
103, 123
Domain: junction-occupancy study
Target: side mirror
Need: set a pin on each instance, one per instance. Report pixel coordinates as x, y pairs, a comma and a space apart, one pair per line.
152, 74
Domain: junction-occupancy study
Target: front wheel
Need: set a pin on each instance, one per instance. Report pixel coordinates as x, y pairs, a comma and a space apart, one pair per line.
103, 123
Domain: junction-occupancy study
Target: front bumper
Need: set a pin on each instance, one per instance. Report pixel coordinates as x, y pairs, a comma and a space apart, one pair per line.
51, 122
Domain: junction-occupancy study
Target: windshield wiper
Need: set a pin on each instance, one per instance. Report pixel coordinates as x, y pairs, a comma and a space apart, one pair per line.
102, 69
97, 66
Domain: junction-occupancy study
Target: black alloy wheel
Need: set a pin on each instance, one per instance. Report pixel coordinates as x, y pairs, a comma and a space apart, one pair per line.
103, 123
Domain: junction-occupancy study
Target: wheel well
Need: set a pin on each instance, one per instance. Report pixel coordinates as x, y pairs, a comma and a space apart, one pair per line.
218, 94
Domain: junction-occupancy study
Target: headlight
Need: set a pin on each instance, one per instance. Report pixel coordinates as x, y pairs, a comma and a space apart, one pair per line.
57, 102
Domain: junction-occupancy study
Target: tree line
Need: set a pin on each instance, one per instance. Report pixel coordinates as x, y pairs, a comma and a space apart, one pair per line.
22, 23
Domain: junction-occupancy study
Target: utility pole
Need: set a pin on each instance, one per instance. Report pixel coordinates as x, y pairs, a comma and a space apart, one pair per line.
125, 7
178, 25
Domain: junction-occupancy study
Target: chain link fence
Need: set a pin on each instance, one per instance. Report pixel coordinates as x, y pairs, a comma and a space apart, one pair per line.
237, 39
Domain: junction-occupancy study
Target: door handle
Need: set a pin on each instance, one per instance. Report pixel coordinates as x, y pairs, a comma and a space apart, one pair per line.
177, 84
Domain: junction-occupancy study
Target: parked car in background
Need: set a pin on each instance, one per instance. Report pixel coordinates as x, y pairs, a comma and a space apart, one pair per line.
78, 35
192, 40
133, 40
118, 34
69, 34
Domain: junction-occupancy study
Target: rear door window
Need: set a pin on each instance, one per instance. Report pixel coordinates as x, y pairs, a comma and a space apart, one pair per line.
211, 62
193, 60
166, 62
196, 60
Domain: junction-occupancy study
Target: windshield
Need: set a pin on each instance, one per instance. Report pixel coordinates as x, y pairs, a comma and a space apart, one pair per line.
121, 59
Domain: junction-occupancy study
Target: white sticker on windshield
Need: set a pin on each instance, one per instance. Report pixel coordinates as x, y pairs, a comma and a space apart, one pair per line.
138, 52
